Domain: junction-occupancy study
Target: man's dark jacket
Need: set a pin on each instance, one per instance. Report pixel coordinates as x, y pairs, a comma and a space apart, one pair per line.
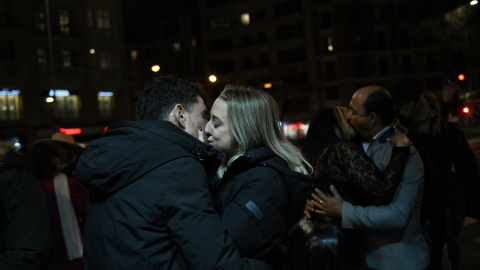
25, 220
149, 202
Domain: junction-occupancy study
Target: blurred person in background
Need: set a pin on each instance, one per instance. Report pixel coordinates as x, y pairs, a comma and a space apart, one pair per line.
25, 221
463, 196
393, 234
427, 121
339, 159
67, 200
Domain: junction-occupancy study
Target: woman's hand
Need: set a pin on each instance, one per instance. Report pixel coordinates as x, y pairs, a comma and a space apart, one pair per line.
325, 205
400, 139
309, 207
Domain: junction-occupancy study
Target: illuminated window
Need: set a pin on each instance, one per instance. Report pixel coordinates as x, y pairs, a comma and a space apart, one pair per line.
40, 18
105, 59
41, 56
134, 55
10, 105
106, 19
67, 58
105, 104
177, 46
66, 104
245, 18
64, 21
220, 22
89, 17
103, 19
99, 19
329, 44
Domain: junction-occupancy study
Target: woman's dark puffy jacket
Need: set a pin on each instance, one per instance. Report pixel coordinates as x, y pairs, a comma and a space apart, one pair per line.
258, 198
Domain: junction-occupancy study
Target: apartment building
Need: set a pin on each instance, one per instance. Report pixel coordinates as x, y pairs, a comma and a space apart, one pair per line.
61, 67
312, 54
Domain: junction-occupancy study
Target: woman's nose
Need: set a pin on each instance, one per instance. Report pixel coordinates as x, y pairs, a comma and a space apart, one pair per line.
207, 129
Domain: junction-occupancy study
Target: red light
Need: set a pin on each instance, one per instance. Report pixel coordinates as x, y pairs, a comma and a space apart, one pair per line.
461, 77
300, 126
465, 110
70, 131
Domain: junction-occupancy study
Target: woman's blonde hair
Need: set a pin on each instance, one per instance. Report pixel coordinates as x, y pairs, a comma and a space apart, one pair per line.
255, 121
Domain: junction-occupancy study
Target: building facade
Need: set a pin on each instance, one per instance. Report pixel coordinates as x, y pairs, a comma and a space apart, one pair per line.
61, 67
312, 54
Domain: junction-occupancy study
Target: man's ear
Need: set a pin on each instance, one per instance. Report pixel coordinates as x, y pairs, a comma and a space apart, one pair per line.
177, 116
373, 117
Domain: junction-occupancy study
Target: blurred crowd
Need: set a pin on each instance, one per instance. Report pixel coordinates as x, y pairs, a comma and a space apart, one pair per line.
383, 183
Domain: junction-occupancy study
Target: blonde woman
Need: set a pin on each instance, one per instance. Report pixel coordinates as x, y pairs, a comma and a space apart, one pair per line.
263, 178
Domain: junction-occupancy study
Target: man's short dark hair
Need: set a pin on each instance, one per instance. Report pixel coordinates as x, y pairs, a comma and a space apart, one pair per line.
405, 91
162, 93
380, 102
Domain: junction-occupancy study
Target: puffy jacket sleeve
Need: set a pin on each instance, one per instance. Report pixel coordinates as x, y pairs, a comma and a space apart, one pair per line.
196, 228
27, 233
255, 215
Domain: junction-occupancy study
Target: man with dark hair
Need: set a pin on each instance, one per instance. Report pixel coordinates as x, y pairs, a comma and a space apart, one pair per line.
393, 235
149, 204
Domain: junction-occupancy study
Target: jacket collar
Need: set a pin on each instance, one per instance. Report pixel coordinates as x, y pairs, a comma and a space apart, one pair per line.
205, 153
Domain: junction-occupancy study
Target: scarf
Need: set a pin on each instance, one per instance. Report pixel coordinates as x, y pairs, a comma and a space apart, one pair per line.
68, 218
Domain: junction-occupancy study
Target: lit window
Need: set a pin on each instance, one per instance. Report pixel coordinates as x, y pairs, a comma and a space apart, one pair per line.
41, 56
103, 19
176, 46
64, 21
67, 58
10, 105
330, 44
66, 104
106, 19
89, 17
40, 18
99, 19
105, 104
134, 55
219, 22
105, 59
245, 18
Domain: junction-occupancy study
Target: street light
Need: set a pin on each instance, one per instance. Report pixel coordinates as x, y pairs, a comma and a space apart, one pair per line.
212, 78
155, 68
